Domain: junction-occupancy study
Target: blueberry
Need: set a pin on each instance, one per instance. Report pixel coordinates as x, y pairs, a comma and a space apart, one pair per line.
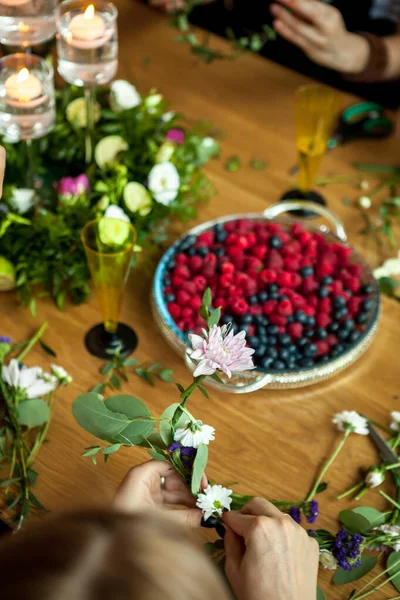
310, 350
284, 339
323, 292
323, 359
348, 324
283, 298
191, 240
258, 319
166, 280
327, 280
226, 319
336, 350
290, 319
302, 342
171, 264
321, 333
307, 362
300, 316
284, 354
278, 365
191, 252
267, 362
263, 339
263, 296
354, 336
306, 271
275, 242
202, 251
253, 341
246, 319
292, 349
309, 333
262, 331
339, 301
291, 365
367, 304
367, 289
271, 352
260, 351
333, 327
245, 328
272, 287
219, 252
340, 314
310, 321
274, 295
272, 341
342, 335
253, 300
273, 329
361, 318
169, 298
219, 227
221, 237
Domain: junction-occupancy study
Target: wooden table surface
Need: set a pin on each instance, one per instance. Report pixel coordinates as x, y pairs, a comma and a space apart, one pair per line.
272, 442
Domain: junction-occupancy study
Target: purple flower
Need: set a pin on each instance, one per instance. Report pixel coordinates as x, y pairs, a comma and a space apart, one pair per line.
174, 446
175, 135
4, 339
295, 513
74, 186
347, 549
311, 511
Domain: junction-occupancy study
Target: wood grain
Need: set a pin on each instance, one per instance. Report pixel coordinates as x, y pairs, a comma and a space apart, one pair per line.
273, 442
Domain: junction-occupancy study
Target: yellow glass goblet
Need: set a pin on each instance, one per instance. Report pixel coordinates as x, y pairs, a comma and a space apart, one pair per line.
315, 113
109, 247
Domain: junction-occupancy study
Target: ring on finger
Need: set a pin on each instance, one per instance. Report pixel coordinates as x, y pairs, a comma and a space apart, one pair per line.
163, 482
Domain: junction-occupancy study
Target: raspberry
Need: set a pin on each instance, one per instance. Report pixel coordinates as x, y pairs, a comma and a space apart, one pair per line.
254, 264
322, 348
295, 330
174, 310
189, 287
222, 292
242, 280
323, 320
232, 239
268, 276
252, 239
331, 339
274, 260
269, 306
356, 270
186, 324
234, 253
230, 226
274, 228
183, 297
352, 284
285, 308
200, 283
313, 300
279, 320
259, 251
324, 268
219, 302
304, 237
251, 287
296, 280
354, 304
343, 253
195, 303
309, 285
209, 265
285, 279
309, 310
182, 271
284, 237
177, 281
298, 301
195, 263
234, 292
181, 259
292, 248
187, 312
181, 324
243, 242
227, 267
168, 290
291, 263
206, 238
325, 305
256, 309
336, 287
297, 229
240, 306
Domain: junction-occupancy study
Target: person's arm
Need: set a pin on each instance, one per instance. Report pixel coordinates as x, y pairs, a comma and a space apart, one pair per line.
268, 555
319, 30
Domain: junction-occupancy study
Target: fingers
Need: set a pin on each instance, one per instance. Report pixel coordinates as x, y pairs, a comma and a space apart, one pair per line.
234, 550
242, 522
2, 168
188, 518
295, 30
180, 496
261, 507
312, 11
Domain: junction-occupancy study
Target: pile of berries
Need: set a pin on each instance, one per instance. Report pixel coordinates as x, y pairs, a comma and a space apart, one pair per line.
300, 298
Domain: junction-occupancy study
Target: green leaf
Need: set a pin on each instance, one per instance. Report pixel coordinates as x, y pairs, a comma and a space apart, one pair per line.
232, 164
321, 488
139, 427
6, 482
32, 307
165, 423
354, 522
92, 451
98, 389
180, 387
115, 381
204, 391
130, 362
258, 164
157, 456
216, 378
199, 466
111, 449
214, 317
33, 413
129, 406
166, 375
207, 298
25, 507
342, 577
320, 594
394, 557
47, 348
106, 369
36, 503
14, 502
32, 476
92, 414
375, 517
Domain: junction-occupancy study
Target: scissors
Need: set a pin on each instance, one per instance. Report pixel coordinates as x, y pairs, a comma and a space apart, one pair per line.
362, 120
386, 452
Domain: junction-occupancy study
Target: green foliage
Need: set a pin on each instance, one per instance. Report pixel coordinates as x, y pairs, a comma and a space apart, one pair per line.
259, 165
374, 516
388, 286
393, 564
342, 577
33, 413
354, 522
199, 466
320, 594
232, 164
165, 423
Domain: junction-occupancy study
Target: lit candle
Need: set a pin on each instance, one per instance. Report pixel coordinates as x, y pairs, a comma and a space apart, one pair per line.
88, 26
14, 2
23, 86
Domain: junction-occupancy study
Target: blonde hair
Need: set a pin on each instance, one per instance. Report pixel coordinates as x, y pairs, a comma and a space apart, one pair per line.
107, 556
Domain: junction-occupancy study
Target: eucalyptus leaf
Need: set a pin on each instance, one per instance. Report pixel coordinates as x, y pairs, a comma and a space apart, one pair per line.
321, 488
341, 577
320, 594
98, 389
111, 449
214, 317
166, 375
33, 413
375, 517
140, 425
115, 381
157, 455
165, 423
207, 298
130, 406
394, 557
47, 348
204, 391
354, 522
199, 466
92, 414
36, 503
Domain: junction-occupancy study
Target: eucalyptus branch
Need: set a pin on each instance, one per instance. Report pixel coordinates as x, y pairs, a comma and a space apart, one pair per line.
32, 342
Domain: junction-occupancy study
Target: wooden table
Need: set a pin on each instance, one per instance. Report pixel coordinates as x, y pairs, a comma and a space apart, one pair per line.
272, 442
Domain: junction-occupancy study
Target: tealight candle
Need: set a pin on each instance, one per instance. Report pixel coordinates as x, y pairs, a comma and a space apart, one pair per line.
88, 26
23, 86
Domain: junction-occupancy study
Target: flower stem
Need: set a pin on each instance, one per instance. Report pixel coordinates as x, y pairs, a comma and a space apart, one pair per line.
393, 466
32, 342
362, 493
189, 390
350, 491
357, 597
389, 499
327, 465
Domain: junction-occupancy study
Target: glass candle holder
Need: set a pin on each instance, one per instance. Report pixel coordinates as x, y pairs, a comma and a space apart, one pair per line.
87, 42
27, 105
27, 22
109, 247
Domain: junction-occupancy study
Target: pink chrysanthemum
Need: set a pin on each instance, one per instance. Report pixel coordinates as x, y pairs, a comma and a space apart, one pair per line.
175, 135
220, 350
73, 185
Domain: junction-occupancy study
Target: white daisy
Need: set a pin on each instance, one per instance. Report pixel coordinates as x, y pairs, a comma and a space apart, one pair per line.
164, 182
395, 424
350, 419
33, 381
194, 433
124, 95
214, 500
61, 374
327, 560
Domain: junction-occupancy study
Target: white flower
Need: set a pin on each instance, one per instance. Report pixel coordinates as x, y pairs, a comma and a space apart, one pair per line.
395, 424
364, 185
33, 381
61, 374
390, 267
365, 202
152, 102
124, 96
214, 500
350, 419
194, 433
393, 531
116, 212
76, 113
164, 182
168, 116
165, 152
374, 478
22, 200
327, 560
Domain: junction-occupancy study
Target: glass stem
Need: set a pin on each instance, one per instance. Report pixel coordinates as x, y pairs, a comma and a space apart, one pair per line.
90, 101
31, 164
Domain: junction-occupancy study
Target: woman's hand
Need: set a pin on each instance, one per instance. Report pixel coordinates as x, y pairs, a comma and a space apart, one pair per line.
269, 556
143, 487
2, 167
319, 30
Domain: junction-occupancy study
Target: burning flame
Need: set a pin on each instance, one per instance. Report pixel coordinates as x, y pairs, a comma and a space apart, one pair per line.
89, 12
22, 75
22, 27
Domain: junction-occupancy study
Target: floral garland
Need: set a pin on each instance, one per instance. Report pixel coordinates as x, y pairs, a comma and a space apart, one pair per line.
147, 169
182, 440
26, 396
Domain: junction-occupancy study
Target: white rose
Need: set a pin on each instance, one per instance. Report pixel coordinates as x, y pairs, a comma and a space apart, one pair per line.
116, 212
327, 560
365, 202
395, 423
124, 96
22, 200
164, 182
390, 267
375, 478
165, 152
